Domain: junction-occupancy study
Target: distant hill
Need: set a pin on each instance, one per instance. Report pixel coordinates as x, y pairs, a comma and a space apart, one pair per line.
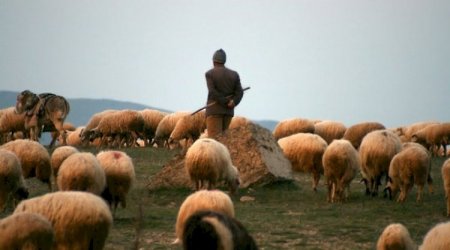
81, 109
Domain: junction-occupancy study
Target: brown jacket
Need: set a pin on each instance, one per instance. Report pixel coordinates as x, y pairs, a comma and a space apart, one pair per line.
222, 82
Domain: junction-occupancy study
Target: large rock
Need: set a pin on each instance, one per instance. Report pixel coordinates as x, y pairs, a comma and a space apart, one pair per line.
254, 151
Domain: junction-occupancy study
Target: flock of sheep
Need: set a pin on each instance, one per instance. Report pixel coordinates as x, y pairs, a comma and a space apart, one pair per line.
402, 156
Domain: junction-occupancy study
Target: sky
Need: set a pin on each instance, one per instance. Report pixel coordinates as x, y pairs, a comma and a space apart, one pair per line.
348, 60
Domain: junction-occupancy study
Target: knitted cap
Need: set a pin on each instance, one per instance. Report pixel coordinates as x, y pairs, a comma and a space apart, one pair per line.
220, 56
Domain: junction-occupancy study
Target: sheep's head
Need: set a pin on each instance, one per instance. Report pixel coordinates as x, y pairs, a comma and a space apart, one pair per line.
233, 180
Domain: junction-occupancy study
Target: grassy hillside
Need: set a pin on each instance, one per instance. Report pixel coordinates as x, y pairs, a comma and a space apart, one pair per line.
282, 216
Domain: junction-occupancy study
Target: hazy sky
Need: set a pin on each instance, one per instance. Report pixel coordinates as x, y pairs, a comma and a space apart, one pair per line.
349, 61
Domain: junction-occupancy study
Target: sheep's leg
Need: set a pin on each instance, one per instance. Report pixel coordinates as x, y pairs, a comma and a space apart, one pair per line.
430, 184
419, 193
330, 190
448, 205
316, 178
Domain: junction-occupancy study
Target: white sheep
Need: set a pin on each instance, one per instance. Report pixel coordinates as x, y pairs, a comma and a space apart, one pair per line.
87, 133
409, 130
292, 126
82, 172
305, 151
212, 230
330, 130
214, 200
395, 236
239, 121
73, 138
356, 132
120, 176
376, 151
34, 158
340, 164
410, 166
80, 220
59, 155
11, 179
445, 170
437, 237
26, 231
433, 136
188, 127
166, 126
11, 122
208, 162
151, 117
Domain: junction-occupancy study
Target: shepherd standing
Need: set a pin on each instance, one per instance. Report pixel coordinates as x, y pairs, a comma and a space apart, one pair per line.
225, 91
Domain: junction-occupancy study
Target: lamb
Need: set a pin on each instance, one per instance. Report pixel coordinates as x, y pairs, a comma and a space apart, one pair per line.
356, 132
213, 230
188, 127
26, 231
34, 158
120, 176
73, 138
433, 136
214, 200
82, 172
11, 122
151, 117
292, 126
340, 164
376, 151
207, 162
446, 181
87, 132
80, 220
410, 166
437, 237
59, 155
11, 179
166, 126
395, 236
330, 130
305, 152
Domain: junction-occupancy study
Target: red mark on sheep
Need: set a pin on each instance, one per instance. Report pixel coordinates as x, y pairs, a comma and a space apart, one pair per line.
117, 155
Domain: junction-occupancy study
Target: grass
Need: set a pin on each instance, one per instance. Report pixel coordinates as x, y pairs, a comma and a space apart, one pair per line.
286, 215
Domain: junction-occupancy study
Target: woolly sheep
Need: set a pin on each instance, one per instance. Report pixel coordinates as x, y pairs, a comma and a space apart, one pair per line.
445, 170
11, 179
214, 200
80, 220
151, 117
188, 127
207, 162
410, 166
11, 122
395, 236
376, 151
292, 126
305, 152
330, 130
356, 132
437, 237
213, 230
73, 138
87, 132
238, 121
82, 172
120, 176
409, 130
433, 136
26, 231
166, 126
59, 155
57, 136
34, 158
340, 164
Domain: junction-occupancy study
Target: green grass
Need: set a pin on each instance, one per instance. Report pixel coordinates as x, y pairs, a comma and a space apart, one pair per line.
286, 215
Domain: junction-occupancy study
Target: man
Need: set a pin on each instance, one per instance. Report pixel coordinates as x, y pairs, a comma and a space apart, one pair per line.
225, 91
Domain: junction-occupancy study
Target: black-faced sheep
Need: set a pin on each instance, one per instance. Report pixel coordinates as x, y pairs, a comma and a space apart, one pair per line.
340, 164
81, 172
376, 151
214, 200
80, 220
292, 126
410, 166
34, 158
26, 231
59, 155
446, 181
12, 183
166, 126
151, 117
330, 130
120, 176
356, 132
213, 230
305, 151
188, 127
433, 136
208, 162
437, 237
395, 236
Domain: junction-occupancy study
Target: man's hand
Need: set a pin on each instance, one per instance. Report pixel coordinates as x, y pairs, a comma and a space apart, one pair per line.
230, 104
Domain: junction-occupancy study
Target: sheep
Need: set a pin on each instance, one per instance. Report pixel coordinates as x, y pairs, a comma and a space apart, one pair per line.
59, 155
57, 136
120, 176
445, 170
87, 132
437, 237
409, 130
356, 132
11, 179
340, 164
214, 200
376, 151
330, 130
82, 172
188, 127
26, 231
395, 236
433, 136
213, 230
166, 126
292, 126
151, 117
305, 151
73, 138
11, 122
207, 162
410, 166
238, 121
34, 158
80, 220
